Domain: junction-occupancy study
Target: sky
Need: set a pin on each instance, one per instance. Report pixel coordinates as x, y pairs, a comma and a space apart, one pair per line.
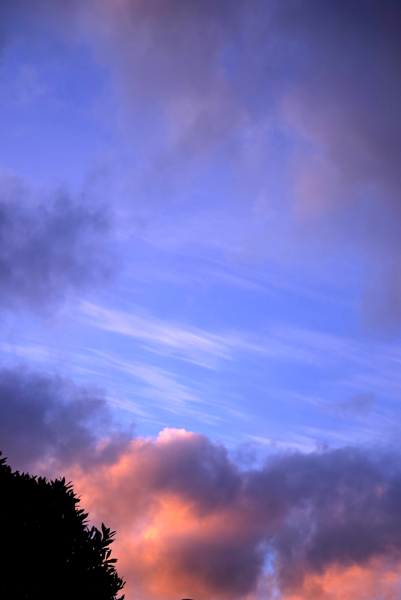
200, 301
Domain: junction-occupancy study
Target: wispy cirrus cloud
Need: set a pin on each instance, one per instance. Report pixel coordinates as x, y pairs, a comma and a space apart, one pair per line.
170, 391
188, 343
277, 341
205, 348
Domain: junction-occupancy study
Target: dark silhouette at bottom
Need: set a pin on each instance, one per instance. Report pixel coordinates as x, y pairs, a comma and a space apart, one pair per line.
47, 551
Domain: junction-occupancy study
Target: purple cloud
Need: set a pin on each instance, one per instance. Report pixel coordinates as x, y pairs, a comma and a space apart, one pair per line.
306, 90
50, 248
47, 418
182, 507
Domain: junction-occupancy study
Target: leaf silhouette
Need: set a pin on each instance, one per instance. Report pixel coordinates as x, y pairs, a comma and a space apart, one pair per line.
47, 549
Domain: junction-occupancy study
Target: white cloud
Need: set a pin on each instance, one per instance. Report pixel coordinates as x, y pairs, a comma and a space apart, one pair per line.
161, 387
163, 337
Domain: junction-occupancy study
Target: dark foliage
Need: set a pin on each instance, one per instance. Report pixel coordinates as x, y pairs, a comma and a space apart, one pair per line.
47, 550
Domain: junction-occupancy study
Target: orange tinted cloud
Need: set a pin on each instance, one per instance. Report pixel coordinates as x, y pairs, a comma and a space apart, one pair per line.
181, 532
190, 523
375, 580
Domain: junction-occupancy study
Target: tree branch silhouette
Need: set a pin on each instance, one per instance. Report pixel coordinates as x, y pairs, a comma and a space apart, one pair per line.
47, 550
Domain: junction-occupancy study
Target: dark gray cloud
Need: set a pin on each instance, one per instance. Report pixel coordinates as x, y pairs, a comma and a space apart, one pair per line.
50, 248
44, 417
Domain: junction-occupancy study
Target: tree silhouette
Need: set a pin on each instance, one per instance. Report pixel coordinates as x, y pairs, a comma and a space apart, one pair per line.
47, 551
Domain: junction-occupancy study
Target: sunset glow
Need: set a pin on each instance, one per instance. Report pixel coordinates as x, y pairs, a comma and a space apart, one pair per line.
200, 286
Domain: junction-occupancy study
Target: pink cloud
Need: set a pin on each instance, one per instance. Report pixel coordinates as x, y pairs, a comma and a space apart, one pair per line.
378, 579
190, 523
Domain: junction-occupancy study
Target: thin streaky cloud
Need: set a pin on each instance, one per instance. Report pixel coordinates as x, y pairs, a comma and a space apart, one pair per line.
128, 406
31, 352
285, 343
161, 386
364, 369
191, 344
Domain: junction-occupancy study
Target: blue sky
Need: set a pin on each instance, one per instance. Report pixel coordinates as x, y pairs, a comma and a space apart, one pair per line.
229, 310
200, 216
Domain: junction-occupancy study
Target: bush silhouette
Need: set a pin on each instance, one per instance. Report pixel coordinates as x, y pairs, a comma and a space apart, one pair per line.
47, 550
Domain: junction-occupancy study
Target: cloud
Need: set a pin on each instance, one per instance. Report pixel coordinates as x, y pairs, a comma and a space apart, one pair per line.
300, 99
348, 94
335, 68
189, 343
376, 580
326, 78
213, 68
191, 523
160, 57
47, 419
49, 248
347, 137
359, 404
159, 386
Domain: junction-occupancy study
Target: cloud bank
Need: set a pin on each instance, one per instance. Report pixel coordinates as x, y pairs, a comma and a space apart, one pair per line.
191, 523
